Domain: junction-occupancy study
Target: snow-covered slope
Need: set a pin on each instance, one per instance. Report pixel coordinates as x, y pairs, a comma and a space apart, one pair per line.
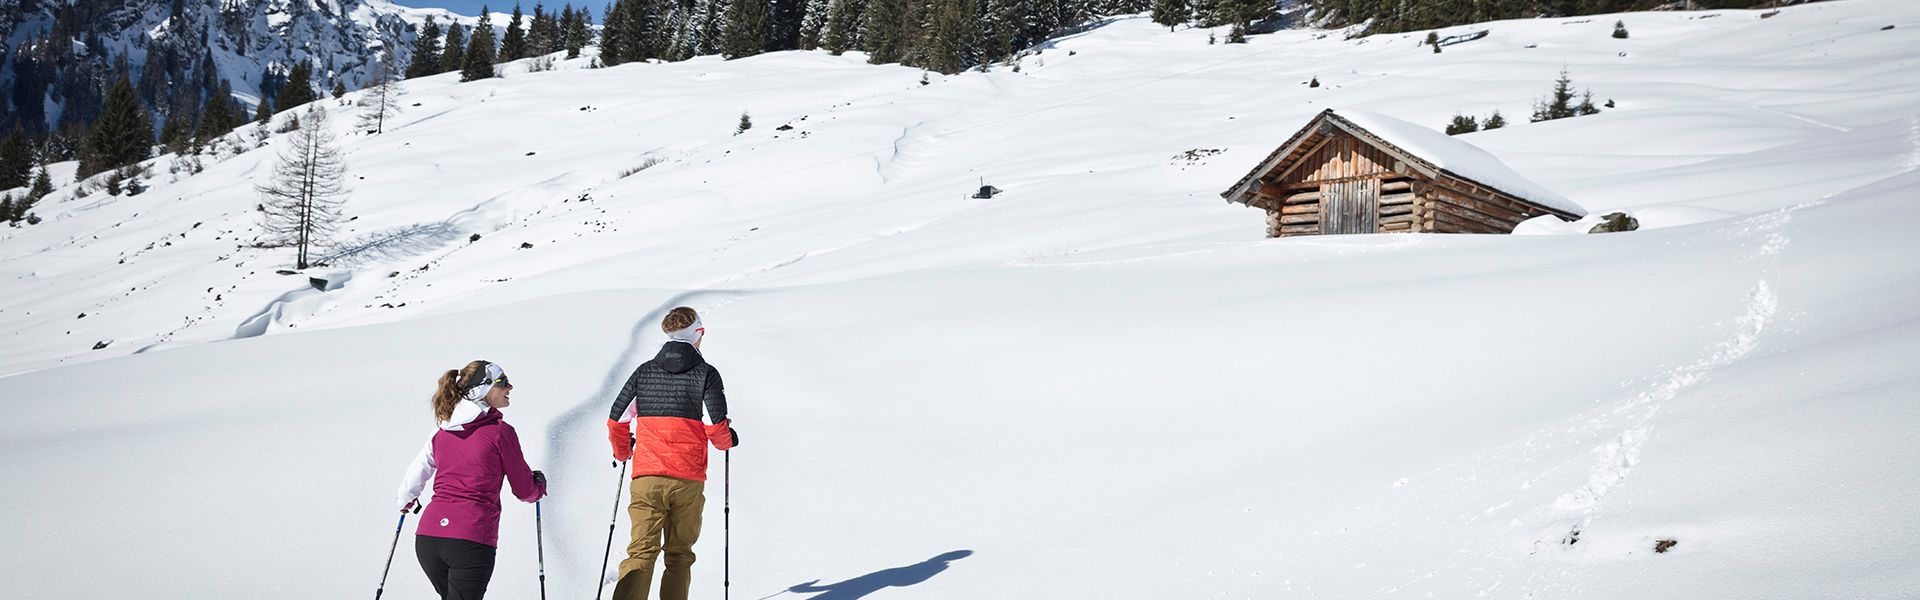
1101, 383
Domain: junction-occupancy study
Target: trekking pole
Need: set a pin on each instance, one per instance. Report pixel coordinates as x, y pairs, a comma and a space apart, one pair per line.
610, 524
540, 549
396, 544
726, 528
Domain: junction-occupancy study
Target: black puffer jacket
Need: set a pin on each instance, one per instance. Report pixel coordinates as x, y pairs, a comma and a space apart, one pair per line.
657, 415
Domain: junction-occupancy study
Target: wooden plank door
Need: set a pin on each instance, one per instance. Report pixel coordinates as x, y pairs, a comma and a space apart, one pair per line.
1351, 206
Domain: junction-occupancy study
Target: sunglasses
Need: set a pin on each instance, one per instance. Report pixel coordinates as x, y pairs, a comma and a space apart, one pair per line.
500, 381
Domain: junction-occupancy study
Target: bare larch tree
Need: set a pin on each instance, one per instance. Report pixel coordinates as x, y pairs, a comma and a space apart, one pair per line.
303, 198
381, 101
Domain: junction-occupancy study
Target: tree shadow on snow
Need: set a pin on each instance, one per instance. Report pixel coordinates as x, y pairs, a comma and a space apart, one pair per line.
864, 585
398, 243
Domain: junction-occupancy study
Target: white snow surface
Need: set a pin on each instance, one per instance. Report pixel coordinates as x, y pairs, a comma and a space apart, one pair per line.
1102, 383
1461, 158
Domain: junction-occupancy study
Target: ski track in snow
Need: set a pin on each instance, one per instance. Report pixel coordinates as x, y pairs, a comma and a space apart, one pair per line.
1619, 432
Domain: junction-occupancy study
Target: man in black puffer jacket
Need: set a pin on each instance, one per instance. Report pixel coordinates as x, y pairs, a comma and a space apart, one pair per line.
655, 422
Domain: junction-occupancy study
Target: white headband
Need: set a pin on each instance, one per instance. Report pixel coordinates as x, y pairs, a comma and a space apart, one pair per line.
479, 393
691, 334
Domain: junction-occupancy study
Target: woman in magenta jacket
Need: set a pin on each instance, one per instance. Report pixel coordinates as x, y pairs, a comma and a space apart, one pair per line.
466, 459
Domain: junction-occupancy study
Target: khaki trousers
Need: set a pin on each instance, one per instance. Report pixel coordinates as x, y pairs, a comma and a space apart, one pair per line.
669, 506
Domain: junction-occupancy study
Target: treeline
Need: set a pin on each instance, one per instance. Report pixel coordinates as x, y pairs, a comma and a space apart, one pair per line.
1398, 16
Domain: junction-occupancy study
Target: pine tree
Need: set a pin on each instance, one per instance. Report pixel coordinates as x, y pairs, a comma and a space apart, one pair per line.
1494, 121
426, 51
298, 89
42, 185
1559, 103
883, 33
1243, 14
543, 37
339, 89
746, 29
842, 30
479, 60
1171, 13
231, 113
707, 26
950, 41
16, 161
263, 114
1620, 30
746, 122
784, 18
302, 200
123, 135
177, 129
1433, 39
1586, 104
513, 44
7, 211
614, 35
453, 52
1462, 124
575, 31
813, 24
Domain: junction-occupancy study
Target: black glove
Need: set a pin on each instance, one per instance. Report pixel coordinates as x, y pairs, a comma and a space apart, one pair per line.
736, 437
540, 478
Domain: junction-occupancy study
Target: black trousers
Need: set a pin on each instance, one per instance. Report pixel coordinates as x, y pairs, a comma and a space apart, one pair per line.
459, 569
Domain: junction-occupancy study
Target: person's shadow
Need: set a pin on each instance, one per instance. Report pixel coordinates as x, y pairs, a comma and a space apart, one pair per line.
860, 587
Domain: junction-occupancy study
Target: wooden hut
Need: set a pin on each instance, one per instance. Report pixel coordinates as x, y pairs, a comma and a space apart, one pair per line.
1358, 172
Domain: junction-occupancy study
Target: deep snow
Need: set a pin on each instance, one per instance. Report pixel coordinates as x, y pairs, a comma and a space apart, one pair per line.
1100, 384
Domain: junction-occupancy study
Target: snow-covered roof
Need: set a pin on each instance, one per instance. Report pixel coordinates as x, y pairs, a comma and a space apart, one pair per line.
1428, 148
1458, 157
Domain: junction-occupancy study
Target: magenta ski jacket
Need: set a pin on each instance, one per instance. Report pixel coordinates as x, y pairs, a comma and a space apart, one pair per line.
466, 460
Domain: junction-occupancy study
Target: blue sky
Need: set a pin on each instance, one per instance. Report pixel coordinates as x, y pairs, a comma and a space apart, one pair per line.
467, 7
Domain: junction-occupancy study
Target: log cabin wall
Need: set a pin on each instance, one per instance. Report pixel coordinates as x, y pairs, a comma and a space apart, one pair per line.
1339, 185
1455, 205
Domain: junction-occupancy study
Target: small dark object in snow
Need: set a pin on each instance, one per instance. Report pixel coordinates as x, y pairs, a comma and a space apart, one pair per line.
393, 274
195, 226
423, 267
1072, 52
754, 229
529, 154
1609, 103
317, 283
101, 344
1314, 83
986, 191
1572, 538
1616, 222
783, 128
82, 316
1531, 46
280, 272
1662, 546
1886, 28
473, 238
526, 245
416, 104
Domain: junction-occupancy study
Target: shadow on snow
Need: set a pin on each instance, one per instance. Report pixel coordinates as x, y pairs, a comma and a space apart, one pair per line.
864, 585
